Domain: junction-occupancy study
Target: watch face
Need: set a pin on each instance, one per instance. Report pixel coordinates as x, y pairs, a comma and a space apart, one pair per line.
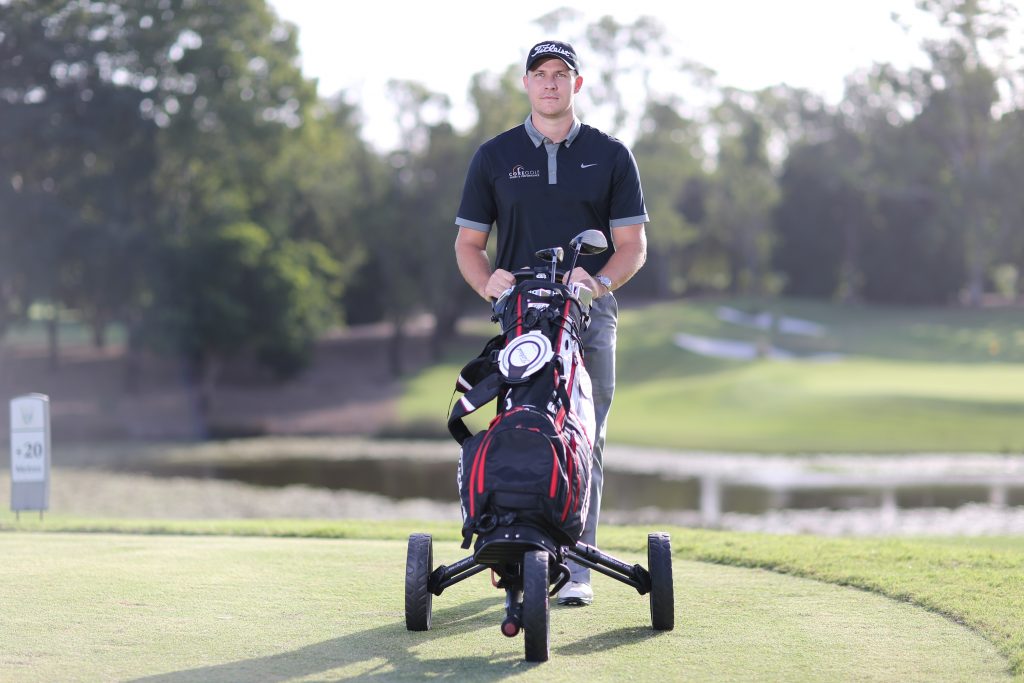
604, 280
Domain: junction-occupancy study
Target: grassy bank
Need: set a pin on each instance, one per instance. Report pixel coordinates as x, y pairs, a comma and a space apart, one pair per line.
900, 380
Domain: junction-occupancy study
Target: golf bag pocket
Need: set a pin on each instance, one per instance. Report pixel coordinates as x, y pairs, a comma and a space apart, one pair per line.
523, 469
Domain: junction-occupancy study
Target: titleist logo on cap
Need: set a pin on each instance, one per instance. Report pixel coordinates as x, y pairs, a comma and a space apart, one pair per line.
552, 48
556, 49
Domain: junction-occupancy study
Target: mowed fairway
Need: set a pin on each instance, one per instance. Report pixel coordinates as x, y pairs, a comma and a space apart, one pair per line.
170, 608
896, 381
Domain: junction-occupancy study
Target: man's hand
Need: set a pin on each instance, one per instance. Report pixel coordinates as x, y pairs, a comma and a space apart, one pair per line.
499, 281
587, 280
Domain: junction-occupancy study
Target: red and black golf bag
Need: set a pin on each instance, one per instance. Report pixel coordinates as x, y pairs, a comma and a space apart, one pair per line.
531, 466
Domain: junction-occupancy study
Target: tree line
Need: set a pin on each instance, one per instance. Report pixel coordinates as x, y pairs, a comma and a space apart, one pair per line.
164, 165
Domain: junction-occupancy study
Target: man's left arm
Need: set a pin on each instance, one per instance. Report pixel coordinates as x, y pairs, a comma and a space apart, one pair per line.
630, 254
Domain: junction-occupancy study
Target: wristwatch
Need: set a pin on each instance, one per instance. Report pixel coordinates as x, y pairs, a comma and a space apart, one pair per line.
605, 281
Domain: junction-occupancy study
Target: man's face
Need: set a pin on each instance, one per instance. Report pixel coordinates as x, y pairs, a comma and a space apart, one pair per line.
551, 86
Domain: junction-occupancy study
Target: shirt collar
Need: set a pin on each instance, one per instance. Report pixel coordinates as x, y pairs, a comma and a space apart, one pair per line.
538, 138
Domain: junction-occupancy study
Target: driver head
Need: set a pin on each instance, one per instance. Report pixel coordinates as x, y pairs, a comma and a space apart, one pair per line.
589, 242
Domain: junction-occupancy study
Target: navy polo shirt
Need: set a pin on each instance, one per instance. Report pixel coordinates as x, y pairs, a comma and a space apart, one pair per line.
542, 194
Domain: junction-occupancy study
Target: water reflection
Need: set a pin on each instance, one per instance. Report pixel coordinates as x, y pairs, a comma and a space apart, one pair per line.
397, 478
401, 478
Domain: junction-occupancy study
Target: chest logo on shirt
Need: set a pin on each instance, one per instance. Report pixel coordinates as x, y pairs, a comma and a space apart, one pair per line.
519, 172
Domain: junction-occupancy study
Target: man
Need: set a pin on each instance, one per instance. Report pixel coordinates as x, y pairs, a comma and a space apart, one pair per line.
542, 183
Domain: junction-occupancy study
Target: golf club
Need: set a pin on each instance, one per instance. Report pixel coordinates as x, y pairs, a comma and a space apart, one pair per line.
554, 255
587, 242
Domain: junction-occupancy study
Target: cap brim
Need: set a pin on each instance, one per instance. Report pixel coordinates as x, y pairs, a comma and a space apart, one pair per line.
542, 57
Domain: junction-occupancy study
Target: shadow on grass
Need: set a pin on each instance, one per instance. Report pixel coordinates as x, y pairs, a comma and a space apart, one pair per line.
391, 643
608, 640
393, 653
388, 652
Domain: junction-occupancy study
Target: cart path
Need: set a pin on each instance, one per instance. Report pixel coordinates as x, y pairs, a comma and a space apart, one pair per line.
169, 609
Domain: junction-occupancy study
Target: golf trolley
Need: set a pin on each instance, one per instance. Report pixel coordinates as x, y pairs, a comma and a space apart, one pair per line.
525, 560
531, 569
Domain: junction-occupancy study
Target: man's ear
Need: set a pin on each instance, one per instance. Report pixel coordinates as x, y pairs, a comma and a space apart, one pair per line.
579, 84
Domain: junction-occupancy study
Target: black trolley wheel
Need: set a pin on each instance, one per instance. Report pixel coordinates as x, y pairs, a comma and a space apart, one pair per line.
535, 605
659, 560
418, 599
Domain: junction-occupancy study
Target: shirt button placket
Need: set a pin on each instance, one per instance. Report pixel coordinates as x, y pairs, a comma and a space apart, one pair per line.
552, 149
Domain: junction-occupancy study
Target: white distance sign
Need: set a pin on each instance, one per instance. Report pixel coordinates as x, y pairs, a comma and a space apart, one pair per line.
30, 438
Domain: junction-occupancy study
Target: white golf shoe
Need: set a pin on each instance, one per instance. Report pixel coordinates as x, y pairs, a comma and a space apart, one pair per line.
576, 594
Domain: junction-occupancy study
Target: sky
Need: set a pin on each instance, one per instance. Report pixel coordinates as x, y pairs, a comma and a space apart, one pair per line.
356, 47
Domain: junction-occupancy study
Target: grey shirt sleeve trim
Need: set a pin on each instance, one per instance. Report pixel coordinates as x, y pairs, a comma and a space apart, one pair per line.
472, 225
622, 222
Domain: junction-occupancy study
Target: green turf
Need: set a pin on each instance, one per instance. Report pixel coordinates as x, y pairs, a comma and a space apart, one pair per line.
909, 380
971, 581
852, 406
70, 333
171, 608
977, 582
282, 528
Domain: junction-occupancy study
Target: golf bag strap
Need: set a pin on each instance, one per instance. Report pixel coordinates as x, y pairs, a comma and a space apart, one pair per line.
563, 396
481, 366
483, 392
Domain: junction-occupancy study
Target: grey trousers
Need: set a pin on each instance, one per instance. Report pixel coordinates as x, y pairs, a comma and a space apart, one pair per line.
599, 360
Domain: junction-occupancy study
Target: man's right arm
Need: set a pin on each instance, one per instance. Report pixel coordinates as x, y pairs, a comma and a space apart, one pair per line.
471, 255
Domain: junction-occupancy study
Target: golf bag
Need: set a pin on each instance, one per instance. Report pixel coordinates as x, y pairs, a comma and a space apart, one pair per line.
531, 466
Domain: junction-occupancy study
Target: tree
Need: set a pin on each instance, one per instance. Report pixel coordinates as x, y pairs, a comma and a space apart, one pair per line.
669, 154
819, 221
828, 190
1008, 177
77, 155
499, 101
236, 292
325, 182
231, 101
968, 67
137, 129
744, 192
410, 239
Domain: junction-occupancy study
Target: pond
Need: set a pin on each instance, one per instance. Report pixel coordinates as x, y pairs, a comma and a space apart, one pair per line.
711, 492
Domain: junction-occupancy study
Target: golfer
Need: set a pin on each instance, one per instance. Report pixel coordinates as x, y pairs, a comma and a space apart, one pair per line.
540, 184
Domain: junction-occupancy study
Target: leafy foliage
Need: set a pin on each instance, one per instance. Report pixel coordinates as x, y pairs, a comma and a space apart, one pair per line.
235, 291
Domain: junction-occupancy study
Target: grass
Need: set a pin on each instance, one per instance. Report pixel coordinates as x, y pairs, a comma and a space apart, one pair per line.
976, 582
322, 601
909, 380
70, 332
307, 599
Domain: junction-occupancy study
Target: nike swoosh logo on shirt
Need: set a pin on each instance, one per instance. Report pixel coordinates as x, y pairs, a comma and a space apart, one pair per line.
587, 165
